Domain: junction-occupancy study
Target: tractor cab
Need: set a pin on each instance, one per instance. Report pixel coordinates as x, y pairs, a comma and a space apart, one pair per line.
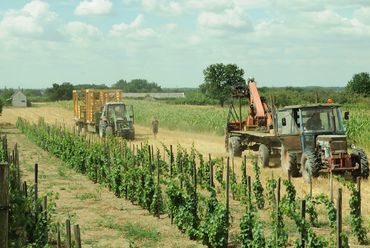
299, 126
117, 118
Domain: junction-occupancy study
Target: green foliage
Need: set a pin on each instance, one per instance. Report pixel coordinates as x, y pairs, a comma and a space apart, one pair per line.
246, 228
60, 92
257, 186
358, 126
219, 80
360, 84
258, 234
213, 229
355, 217
137, 86
29, 224
279, 236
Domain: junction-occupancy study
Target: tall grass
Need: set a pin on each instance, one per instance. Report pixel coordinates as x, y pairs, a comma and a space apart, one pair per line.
358, 127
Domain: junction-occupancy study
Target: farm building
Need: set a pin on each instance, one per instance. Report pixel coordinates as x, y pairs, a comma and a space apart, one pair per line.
19, 99
154, 95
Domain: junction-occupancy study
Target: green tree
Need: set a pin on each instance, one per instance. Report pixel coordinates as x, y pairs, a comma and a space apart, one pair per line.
137, 86
60, 92
360, 84
219, 79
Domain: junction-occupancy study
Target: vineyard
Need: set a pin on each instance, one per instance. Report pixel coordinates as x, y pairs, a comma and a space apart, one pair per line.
194, 193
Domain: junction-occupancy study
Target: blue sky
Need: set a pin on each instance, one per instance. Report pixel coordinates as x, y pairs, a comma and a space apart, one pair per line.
279, 42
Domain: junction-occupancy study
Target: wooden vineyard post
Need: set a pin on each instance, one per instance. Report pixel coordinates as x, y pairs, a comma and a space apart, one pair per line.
249, 182
36, 186
45, 209
233, 171
339, 218
210, 171
150, 159
310, 187
277, 231
303, 216
171, 160
331, 186
25, 189
16, 153
4, 204
77, 234
181, 165
245, 167
68, 234
359, 193
59, 243
227, 195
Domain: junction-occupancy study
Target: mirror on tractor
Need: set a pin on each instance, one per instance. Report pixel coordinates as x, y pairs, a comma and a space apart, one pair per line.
346, 115
283, 122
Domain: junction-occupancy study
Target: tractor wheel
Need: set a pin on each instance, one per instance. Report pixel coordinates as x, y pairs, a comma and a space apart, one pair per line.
235, 148
359, 156
263, 156
101, 131
289, 162
108, 130
310, 166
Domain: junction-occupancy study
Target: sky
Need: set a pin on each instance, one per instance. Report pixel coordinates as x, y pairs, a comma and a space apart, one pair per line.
278, 42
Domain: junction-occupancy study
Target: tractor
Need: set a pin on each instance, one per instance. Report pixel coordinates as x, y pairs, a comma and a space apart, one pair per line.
313, 139
117, 119
102, 111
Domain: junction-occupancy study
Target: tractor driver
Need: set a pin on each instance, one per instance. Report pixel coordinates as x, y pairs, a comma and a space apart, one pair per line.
118, 112
314, 123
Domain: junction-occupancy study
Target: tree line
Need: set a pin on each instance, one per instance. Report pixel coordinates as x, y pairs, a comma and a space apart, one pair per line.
219, 80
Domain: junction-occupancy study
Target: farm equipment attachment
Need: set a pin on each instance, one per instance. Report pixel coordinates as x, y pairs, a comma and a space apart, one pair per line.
254, 130
103, 112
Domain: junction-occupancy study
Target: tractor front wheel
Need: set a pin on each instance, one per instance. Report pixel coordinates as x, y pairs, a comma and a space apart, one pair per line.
289, 162
263, 156
309, 166
359, 156
235, 148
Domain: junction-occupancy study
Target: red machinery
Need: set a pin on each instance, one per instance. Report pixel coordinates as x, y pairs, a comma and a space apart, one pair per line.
250, 128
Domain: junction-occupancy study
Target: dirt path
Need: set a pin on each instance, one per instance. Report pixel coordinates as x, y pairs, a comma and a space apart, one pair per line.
203, 143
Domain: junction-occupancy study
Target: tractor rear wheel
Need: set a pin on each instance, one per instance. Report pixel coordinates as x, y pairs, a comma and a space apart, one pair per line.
263, 156
289, 162
310, 166
235, 148
359, 156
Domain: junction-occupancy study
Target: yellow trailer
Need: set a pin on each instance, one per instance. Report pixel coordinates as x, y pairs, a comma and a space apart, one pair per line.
88, 105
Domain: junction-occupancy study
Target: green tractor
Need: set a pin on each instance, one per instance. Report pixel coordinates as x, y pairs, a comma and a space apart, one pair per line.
313, 139
117, 119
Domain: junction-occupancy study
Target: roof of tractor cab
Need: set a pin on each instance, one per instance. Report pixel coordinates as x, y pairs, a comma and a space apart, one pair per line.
115, 103
311, 106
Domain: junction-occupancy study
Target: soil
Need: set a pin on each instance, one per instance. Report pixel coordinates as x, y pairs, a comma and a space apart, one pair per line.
90, 213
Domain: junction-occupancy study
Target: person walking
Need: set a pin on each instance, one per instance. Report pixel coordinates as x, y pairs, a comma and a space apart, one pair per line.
155, 124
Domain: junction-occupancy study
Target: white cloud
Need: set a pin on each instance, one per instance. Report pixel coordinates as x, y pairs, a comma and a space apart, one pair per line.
363, 15
79, 31
33, 20
229, 19
94, 7
163, 7
132, 30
